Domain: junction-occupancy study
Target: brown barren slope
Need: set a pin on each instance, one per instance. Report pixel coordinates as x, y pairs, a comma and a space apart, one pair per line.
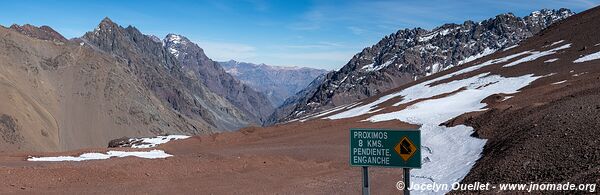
66, 95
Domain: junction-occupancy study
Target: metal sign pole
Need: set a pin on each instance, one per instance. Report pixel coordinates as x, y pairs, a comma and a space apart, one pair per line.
406, 181
365, 188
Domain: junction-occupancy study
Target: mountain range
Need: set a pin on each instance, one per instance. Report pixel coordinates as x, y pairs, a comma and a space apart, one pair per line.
277, 82
410, 54
525, 115
126, 83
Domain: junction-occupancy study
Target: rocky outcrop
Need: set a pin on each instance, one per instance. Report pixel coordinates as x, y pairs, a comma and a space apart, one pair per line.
198, 68
410, 54
277, 82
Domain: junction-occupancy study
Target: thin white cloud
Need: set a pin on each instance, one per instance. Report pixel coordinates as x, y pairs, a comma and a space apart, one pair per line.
311, 20
318, 45
356, 30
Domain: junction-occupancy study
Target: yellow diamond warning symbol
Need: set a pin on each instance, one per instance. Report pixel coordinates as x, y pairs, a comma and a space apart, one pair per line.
405, 148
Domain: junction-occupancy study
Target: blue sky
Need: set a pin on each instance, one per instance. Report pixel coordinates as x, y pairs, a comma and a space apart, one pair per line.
319, 34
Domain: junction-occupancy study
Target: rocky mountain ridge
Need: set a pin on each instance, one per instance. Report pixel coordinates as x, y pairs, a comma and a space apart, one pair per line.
163, 72
410, 54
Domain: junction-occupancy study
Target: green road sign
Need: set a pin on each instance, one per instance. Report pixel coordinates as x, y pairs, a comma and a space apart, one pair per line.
383, 147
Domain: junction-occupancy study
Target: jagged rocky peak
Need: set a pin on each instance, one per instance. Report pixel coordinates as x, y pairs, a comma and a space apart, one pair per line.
110, 29
42, 32
176, 44
128, 43
187, 52
176, 39
106, 24
409, 54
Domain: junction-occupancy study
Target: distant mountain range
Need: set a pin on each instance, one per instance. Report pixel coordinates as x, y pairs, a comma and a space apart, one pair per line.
410, 54
277, 82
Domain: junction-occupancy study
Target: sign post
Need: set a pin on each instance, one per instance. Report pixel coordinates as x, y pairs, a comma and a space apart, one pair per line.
406, 181
385, 148
365, 187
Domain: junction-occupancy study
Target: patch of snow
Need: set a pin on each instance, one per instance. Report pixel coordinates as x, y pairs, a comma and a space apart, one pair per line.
559, 82
506, 98
589, 57
153, 154
368, 66
174, 38
537, 54
233, 71
155, 141
445, 32
374, 111
551, 60
508, 48
81, 44
452, 151
436, 67
326, 112
298, 113
557, 42
312, 104
579, 74
371, 67
344, 79
174, 51
360, 110
486, 51
427, 37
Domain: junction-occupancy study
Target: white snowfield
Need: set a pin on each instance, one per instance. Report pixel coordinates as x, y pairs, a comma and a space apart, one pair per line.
537, 54
153, 154
449, 152
420, 91
590, 57
151, 142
